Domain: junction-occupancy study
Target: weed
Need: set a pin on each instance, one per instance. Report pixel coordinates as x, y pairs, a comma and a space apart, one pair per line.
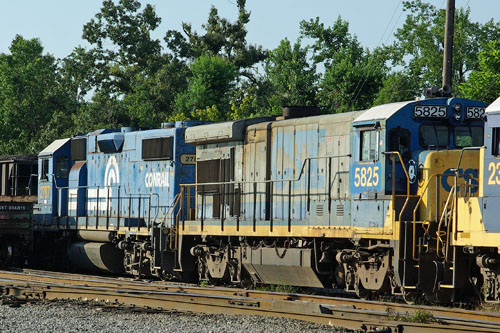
420, 316
279, 288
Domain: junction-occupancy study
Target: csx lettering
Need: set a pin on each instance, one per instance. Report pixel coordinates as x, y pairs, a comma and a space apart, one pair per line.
468, 175
156, 179
366, 176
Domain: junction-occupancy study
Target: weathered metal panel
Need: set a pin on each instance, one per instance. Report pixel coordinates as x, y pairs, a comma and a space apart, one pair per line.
292, 267
222, 132
369, 213
277, 172
300, 187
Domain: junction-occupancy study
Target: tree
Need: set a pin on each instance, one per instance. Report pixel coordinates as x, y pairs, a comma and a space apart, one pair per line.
208, 93
353, 75
222, 38
293, 81
419, 44
132, 83
484, 83
35, 107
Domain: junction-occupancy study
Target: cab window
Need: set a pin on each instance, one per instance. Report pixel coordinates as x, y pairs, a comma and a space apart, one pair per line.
44, 174
468, 136
369, 151
495, 144
433, 136
399, 140
62, 169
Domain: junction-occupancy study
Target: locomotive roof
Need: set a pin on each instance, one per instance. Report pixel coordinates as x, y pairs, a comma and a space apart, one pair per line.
217, 132
18, 158
53, 147
381, 112
494, 107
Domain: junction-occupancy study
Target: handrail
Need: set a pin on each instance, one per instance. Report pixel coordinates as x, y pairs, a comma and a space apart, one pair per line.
128, 196
415, 215
269, 181
233, 182
438, 231
407, 182
174, 227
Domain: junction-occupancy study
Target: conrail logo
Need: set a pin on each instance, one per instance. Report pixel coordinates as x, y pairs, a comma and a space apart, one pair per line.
112, 173
156, 179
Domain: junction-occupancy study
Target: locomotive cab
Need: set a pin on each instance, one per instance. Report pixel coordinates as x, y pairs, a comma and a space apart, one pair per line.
54, 163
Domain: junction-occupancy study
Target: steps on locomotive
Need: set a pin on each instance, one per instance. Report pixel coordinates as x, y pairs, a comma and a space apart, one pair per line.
399, 202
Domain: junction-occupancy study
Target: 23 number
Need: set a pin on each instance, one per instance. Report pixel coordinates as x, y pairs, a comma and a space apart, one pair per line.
494, 168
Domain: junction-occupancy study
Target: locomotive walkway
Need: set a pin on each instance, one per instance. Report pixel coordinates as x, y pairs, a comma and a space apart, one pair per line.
338, 312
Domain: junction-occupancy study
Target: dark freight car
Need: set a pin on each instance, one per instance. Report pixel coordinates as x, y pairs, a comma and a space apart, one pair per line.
18, 183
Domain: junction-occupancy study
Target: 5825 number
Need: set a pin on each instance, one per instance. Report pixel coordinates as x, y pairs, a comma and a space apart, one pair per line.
429, 111
366, 176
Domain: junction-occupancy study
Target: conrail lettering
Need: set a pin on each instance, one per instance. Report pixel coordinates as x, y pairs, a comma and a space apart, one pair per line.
156, 179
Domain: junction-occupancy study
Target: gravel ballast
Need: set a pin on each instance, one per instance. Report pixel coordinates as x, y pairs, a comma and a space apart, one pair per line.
73, 316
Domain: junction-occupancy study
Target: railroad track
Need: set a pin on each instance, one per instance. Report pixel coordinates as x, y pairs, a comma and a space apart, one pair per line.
335, 311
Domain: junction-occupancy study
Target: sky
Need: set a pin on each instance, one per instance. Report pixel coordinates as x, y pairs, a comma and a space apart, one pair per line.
58, 23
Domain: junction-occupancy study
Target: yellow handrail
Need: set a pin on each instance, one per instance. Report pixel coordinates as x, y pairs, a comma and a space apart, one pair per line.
174, 226
415, 215
407, 182
438, 231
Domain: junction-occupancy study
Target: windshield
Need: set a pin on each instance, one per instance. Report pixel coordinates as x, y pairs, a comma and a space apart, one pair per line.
468, 136
433, 135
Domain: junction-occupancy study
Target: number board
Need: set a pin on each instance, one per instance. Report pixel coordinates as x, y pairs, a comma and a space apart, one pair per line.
366, 177
188, 159
430, 111
474, 112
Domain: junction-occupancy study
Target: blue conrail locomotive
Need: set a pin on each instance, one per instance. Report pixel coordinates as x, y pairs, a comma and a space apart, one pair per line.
107, 198
358, 200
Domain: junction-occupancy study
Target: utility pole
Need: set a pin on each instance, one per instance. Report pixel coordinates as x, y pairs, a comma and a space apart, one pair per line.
448, 47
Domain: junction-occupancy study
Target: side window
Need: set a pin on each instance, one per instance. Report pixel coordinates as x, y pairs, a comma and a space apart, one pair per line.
468, 136
399, 140
44, 175
369, 146
495, 144
158, 149
62, 169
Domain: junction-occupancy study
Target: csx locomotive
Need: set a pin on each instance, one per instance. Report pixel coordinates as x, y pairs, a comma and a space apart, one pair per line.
359, 200
366, 200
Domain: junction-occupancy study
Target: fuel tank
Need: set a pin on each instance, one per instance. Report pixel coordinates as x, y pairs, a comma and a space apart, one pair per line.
95, 256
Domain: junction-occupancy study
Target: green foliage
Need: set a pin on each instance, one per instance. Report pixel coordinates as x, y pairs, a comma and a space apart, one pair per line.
397, 87
222, 38
419, 316
278, 288
484, 84
208, 92
34, 105
292, 79
353, 75
419, 44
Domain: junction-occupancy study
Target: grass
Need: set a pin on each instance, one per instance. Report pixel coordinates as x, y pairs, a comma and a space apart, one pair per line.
279, 288
420, 316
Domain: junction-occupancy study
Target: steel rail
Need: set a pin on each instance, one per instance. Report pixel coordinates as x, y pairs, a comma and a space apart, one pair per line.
348, 313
